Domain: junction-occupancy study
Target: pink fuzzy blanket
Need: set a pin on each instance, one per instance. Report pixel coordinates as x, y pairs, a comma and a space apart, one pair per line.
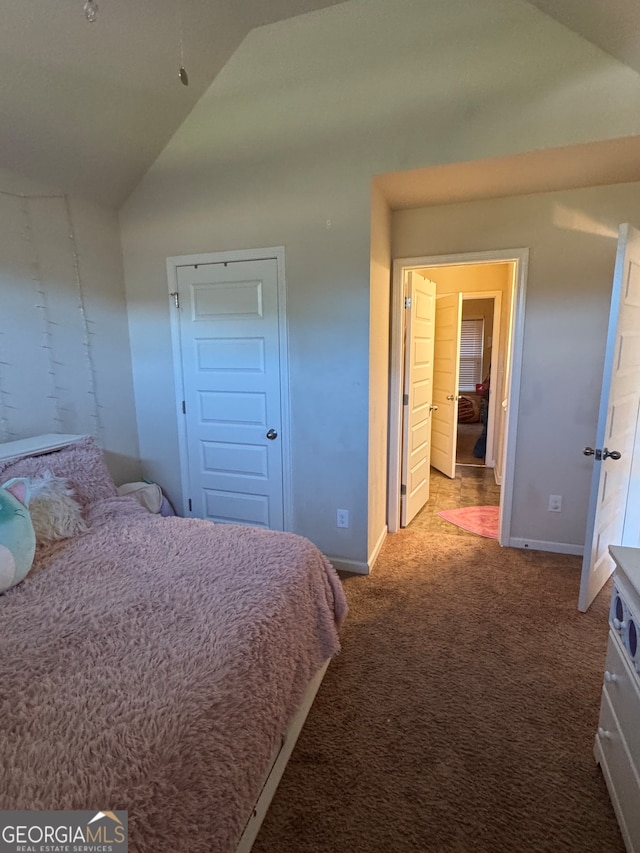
152, 665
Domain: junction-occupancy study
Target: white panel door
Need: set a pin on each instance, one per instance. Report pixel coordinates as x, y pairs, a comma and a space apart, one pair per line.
446, 372
231, 378
418, 395
610, 520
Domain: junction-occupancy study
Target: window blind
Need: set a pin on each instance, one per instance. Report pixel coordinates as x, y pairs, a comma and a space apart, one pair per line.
471, 345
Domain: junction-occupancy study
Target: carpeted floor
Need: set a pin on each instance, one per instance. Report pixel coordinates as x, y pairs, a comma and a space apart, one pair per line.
459, 716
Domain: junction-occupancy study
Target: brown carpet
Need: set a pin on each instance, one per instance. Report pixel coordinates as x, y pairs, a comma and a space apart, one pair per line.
460, 715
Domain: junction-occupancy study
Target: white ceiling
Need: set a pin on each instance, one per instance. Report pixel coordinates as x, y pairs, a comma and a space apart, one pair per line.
87, 107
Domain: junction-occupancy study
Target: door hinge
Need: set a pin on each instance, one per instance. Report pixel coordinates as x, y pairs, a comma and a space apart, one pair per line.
176, 297
184, 408
405, 399
407, 302
403, 489
189, 504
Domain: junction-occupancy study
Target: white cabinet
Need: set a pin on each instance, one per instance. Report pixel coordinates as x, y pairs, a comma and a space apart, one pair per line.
617, 743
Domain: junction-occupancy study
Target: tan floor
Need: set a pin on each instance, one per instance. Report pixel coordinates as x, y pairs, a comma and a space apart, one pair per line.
472, 486
468, 434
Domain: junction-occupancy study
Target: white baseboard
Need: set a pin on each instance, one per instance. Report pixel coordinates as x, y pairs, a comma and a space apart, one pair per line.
353, 566
541, 545
373, 556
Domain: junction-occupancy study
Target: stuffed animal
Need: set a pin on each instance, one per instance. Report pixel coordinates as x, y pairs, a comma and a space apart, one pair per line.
17, 537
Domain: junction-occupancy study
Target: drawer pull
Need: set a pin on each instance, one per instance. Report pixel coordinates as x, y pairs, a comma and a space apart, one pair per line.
603, 734
610, 677
618, 625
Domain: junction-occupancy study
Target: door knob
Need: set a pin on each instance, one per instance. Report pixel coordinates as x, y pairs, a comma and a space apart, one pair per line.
433, 408
451, 397
272, 434
602, 454
611, 454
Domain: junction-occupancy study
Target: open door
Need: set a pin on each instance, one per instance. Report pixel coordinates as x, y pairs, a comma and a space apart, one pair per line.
608, 520
418, 395
445, 383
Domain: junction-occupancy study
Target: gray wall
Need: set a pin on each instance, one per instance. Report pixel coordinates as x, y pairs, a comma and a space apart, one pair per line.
572, 240
287, 139
65, 362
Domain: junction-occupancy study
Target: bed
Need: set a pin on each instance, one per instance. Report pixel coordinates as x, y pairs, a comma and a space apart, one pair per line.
161, 666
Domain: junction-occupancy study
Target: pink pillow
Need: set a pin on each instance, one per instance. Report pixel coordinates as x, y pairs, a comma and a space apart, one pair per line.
81, 464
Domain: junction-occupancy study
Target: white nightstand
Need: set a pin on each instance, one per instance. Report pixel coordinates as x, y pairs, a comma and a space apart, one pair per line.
617, 743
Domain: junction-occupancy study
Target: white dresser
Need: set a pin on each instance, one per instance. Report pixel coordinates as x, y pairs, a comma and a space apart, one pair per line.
617, 743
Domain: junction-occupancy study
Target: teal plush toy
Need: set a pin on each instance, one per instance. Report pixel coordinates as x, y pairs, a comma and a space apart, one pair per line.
17, 537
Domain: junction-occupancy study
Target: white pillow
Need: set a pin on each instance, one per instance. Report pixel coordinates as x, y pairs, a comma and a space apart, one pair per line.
54, 512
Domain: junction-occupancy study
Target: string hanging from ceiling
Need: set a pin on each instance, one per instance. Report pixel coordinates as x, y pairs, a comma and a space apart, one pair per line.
91, 14
42, 304
91, 10
50, 331
182, 73
98, 432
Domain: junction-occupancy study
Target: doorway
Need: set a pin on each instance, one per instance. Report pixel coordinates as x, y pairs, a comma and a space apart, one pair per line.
229, 345
502, 406
479, 347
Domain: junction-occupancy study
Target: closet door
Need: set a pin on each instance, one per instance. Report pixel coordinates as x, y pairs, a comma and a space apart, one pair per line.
230, 354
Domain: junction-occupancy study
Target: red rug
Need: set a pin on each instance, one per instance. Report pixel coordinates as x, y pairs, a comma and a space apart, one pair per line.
482, 520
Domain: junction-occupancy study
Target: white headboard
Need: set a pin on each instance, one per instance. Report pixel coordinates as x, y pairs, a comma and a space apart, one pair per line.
36, 445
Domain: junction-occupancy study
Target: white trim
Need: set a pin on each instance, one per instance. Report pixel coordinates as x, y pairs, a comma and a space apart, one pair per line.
277, 768
377, 548
515, 346
36, 445
542, 545
396, 377
178, 385
276, 253
604, 763
355, 567
496, 355
520, 258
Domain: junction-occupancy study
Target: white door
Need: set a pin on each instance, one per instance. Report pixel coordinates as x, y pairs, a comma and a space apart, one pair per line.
444, 431
418, 395
608, 520
229, 341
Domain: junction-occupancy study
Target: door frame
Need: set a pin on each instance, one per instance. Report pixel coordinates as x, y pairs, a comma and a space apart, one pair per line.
496, 355
520, 259
276, 253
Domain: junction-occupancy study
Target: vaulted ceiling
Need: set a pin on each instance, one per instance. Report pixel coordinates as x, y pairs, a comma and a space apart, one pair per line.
87, 107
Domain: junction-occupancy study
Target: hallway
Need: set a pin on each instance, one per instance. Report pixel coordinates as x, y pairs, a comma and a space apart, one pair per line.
473, 485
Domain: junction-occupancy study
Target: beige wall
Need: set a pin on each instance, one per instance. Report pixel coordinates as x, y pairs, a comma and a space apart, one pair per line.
380, 278
282, 149
572, 240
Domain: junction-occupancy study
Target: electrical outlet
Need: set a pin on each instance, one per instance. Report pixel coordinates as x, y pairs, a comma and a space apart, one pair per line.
342, 517
555, 503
